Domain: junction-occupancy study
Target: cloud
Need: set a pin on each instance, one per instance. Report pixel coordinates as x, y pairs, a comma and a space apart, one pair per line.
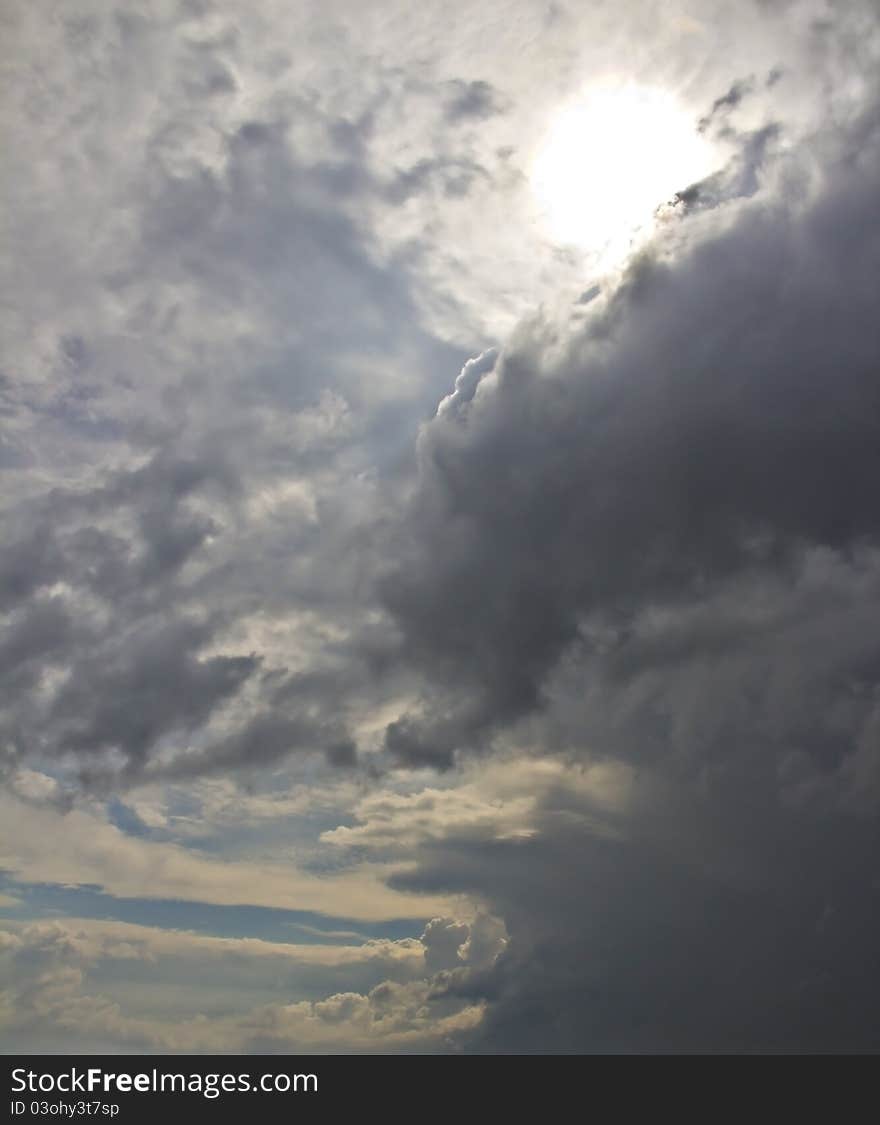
727, 102
468, 380
153, 989
650, 538
99, 854
740, 178
154, 686
92, 939
714, 418
472, 99
585, 673
502, 799
212, 387
643, 945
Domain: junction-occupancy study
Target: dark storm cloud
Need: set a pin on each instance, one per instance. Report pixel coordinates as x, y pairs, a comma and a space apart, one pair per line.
716, 417
753, 936
653, 539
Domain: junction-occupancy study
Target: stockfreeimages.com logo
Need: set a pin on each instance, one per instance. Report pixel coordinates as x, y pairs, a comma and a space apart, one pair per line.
95, 1080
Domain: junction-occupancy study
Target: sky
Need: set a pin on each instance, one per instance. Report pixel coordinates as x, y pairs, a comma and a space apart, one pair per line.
440, 555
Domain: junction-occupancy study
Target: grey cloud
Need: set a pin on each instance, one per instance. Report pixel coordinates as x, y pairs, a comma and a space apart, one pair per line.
713, 921
128, 681
469, 379
652, 536
776, 74
472, 99
342, 754
27, 563
442, 939
265, 739
740, 179
716, 416
722, 106
146, 685
130, 533
409, 742
178, 527
649, 535
39, 631
450, 176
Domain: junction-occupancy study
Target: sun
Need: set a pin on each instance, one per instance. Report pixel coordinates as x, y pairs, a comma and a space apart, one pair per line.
609, 160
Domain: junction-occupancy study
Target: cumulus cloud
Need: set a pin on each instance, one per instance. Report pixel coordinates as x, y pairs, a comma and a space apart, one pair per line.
468, 380
713, 420
652, 537
64, 977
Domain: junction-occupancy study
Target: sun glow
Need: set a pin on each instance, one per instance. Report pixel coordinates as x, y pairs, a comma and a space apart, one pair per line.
610, 160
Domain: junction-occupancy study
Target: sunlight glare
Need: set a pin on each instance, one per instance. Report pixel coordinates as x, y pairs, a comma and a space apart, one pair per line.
610, 160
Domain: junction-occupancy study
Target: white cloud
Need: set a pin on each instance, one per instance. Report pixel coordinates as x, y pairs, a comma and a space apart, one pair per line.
504, 799
60, 979
95, 852
91, 939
